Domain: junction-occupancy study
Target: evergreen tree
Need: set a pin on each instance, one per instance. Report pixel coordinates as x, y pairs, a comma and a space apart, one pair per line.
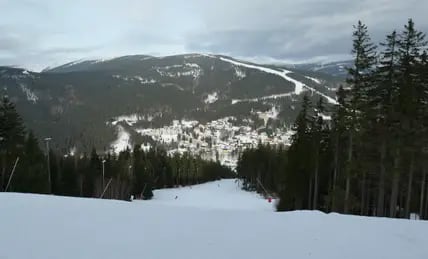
360, 80
412, 100
12, 138
298, 175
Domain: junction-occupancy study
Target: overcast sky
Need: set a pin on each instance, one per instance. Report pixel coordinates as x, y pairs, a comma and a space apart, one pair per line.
39, 33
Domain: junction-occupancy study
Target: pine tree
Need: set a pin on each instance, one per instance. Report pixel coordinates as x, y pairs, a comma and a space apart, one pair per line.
298, 174
360, 80
12, 137
32, 173
316, 133
339, 127
411, 100
384, 96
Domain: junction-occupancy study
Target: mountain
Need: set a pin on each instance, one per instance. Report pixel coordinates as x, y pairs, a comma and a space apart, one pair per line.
89, 103
336, 69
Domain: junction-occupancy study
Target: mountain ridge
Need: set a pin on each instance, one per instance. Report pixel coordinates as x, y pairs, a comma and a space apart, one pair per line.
74, 102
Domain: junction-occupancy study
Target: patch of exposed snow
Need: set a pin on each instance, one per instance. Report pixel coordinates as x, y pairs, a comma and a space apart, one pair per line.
270, 114
316, 80
72, 151
31, 96
211, 98
122, 142
146, 147
128, 119
145, 80
73, 63
239, 73
329, 99
268, 97
25, 72
101, 60
189, 124
188, 69
325, 117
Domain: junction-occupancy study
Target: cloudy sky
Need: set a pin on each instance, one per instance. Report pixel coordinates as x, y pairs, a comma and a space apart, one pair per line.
39, 33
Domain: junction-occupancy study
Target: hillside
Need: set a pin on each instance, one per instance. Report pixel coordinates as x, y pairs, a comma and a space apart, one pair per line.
209, 221
75, 103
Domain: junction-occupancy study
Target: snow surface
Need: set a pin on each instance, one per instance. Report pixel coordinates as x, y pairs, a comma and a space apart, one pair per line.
273, 96
218, 195
299, 86
325, 117
211, 98
123, 140
210, 221
316, 80
240, 74
130, 119
31, 96
270, 114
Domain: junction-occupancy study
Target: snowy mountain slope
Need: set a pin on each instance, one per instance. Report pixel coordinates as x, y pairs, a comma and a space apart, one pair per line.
299, 86
40, 227
337, 68
74, 103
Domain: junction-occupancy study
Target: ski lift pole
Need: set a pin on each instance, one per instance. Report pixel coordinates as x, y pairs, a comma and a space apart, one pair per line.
264, 189
11, 175
105, 189
144, 188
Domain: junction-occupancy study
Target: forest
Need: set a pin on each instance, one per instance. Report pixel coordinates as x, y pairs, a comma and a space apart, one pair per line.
371, 158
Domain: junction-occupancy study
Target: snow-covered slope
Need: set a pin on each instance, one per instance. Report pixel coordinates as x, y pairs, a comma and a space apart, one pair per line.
224, 194
299, 86
207, 221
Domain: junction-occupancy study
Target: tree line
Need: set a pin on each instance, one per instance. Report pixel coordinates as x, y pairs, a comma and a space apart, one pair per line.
26, 167
371, 158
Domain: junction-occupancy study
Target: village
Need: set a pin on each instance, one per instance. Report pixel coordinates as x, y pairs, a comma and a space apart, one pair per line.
219, 140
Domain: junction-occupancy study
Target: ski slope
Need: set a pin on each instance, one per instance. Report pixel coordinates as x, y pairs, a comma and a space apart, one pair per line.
299, 86
218, 195
210, 221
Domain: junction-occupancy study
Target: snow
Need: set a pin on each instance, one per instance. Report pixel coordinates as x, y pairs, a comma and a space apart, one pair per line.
128, 119
73, 63
213, 220
240, 74
187, 69
145, 81
325, 117
329, 99
222, 195
270, 114
211, 98
122, 142
273, 96
31, 96
316, 80
298, 85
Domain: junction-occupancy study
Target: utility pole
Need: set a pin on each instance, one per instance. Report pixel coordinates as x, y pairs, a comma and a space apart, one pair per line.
103, 172
130, 170
49, 165
11, 175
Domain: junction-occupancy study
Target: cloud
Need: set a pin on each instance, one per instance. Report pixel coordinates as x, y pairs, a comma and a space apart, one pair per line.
39, 33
